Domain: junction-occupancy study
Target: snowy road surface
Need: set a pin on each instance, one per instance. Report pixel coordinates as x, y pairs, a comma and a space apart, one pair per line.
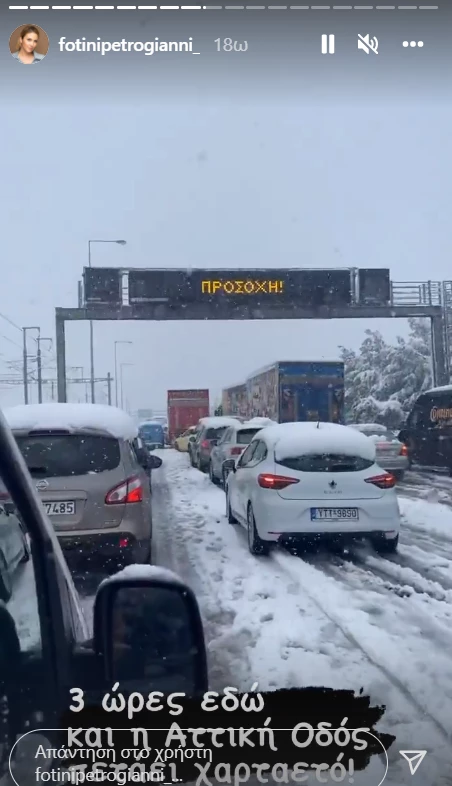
354, 621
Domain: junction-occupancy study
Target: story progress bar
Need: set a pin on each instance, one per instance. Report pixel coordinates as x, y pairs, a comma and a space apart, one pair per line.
223, 8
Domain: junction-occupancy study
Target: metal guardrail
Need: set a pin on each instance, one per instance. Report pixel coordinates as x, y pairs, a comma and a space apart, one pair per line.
416, 293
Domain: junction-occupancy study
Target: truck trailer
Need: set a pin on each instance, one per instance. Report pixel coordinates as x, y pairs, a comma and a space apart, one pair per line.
235, 400
298, 390
185, 408
292, 390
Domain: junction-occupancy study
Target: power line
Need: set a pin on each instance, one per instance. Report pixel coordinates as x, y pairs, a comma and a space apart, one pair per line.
7, 319
11, 341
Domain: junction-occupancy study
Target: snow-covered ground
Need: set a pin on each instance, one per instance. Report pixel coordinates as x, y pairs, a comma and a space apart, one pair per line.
354, 621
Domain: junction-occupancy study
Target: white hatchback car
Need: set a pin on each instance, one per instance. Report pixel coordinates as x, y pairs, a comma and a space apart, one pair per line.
312, 480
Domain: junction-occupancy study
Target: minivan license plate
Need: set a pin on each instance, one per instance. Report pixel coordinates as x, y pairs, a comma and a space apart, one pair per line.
334, 514
59, 508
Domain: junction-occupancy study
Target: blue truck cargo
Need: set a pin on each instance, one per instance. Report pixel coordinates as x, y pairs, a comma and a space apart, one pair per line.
298, 390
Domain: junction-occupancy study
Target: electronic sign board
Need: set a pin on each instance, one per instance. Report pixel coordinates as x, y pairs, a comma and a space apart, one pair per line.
315, 287
374, 286
102, 286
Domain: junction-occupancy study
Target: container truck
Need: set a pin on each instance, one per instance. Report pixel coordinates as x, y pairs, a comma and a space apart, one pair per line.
294, 390
298, 390
185, 408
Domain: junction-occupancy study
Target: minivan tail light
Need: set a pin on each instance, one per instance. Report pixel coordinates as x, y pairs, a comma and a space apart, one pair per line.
276, 482
205, 443
125, 493
386, 481
404, 450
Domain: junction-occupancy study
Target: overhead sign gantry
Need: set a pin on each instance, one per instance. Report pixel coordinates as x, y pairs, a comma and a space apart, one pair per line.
111, 294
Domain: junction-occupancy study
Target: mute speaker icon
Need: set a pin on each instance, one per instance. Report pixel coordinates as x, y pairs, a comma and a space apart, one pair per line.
368, 44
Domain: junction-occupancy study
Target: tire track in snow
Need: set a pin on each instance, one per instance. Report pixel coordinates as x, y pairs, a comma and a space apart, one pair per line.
171, 552
337, 609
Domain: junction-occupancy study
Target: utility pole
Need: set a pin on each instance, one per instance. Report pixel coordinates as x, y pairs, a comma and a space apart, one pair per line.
39, 366
116, 368
25, 366
109, 388
25, 357
91, 324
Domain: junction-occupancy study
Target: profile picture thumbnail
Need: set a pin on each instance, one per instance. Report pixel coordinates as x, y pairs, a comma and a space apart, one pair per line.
29, 44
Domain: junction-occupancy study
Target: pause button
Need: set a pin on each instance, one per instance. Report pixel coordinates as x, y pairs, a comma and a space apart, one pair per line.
328, 44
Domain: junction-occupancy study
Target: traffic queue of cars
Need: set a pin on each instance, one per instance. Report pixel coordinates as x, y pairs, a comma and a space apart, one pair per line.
292, 482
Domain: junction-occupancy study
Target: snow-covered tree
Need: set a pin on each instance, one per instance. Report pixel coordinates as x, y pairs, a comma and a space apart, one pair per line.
383, 380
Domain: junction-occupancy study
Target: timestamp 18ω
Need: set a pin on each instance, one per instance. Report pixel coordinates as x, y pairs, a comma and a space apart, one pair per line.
229, 45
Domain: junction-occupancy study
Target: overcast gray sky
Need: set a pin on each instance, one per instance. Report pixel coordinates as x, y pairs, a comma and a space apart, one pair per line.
213, 185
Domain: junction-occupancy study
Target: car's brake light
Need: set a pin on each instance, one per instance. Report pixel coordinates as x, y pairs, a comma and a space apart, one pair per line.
386, 481
236, 451
205, 443
124, 493
404, 450
276, 482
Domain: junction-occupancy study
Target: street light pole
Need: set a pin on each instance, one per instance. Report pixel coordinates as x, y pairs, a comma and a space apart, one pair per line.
25, 358
116, 368
122, 383
91, 324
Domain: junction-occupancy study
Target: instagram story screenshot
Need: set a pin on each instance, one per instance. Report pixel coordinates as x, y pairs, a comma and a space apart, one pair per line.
226, 393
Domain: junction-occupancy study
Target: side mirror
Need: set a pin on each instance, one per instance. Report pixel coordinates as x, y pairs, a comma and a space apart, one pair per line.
148, 630
230, 465
153, 462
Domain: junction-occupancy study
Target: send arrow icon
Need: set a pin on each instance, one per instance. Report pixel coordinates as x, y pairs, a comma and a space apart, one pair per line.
414, 759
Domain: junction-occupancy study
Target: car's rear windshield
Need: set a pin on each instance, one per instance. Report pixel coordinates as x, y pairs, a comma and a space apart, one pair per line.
383, 435
215, 433
244, 436
151, 432
326, 462
64, 455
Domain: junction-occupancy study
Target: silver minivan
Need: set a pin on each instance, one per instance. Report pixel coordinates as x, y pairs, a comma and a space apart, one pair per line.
91, 474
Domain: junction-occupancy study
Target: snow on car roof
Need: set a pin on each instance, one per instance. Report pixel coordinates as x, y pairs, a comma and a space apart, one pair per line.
290, 440
219, 421
30, 417
369, 427
257, 421
440, 389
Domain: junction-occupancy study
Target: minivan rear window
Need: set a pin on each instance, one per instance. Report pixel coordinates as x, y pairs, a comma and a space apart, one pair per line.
151, 432
64, 455
326, 462
244, 436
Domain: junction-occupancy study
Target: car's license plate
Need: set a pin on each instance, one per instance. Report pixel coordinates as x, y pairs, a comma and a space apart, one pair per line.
334, 514
59, 508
